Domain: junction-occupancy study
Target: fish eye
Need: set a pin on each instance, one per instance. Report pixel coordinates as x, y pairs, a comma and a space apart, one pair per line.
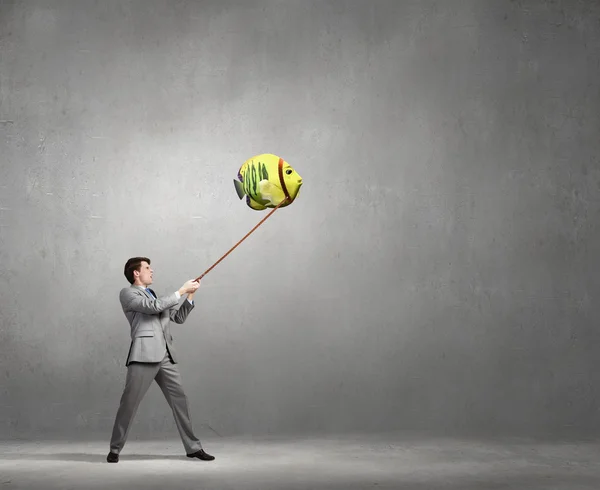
289, 171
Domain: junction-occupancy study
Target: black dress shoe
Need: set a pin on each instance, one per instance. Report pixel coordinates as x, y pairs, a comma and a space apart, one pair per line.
112, 457
201, 455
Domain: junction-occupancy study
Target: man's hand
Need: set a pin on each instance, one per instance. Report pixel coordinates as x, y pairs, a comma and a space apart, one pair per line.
189, 287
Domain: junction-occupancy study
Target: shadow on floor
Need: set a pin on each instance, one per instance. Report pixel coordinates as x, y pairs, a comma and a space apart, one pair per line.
95, 458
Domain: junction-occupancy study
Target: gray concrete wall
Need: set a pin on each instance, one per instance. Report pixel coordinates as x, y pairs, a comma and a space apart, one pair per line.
438, 271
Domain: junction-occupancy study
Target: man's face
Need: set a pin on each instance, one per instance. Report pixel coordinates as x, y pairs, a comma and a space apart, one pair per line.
145, 274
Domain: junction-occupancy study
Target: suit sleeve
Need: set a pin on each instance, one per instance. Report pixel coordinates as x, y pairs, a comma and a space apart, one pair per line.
132, 300
180, 315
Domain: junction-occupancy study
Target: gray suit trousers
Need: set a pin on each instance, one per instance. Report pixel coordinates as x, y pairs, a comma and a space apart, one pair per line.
139, 378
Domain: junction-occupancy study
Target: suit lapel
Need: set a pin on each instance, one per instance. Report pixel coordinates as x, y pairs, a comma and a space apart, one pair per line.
143, 290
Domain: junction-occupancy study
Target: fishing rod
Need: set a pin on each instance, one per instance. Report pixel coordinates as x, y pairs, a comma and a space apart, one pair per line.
247, 235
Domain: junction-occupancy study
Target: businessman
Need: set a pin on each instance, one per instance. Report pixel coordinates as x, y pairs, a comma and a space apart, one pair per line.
151, 355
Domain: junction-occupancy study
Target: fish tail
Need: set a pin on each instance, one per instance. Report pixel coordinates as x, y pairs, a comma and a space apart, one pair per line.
239, 188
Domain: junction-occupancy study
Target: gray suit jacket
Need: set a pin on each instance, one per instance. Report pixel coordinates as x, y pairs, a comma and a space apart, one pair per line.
150, 319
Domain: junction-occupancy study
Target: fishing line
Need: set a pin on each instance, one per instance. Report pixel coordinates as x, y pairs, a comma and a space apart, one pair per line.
247, 235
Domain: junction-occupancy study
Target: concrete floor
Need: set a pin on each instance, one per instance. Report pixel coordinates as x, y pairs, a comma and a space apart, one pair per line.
344, 463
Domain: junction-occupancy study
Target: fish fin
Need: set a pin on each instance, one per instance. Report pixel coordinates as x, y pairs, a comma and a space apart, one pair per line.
239, 188
270, 193
255, 205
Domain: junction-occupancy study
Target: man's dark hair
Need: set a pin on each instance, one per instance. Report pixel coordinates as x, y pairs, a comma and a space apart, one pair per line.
134, 264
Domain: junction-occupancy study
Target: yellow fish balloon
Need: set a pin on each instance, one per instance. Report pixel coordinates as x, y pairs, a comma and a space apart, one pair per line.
266, 180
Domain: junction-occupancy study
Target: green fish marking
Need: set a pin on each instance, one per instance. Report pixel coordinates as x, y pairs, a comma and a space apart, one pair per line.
264, 171
252, 176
